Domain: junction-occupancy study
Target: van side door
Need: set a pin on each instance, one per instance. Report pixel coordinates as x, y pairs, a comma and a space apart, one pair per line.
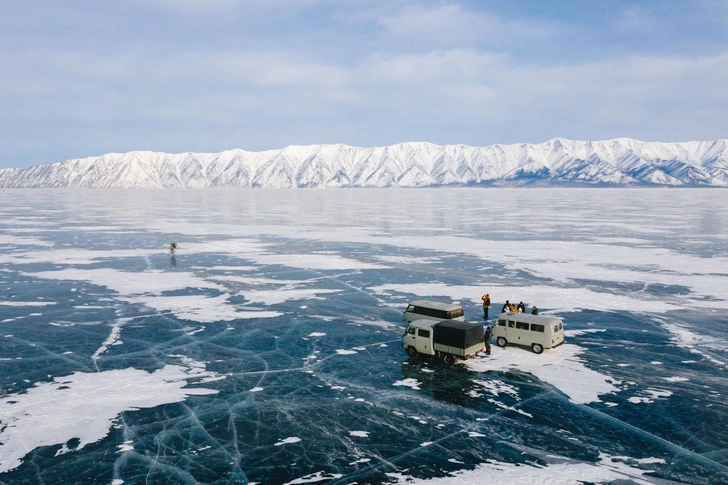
424, 341
522, 331
499, 329
410, 337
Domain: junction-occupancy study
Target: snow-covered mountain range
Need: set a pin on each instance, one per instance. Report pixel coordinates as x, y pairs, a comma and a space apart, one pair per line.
556, 162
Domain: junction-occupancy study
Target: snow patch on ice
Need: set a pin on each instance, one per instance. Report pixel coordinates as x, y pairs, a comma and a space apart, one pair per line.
199, 308
85, 405
558, 298
315, 477
575, 333
561, 367
27, 303
409, 382
311, 261
288, 441
607, 469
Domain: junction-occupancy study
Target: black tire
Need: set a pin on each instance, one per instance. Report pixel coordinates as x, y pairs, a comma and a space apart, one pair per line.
502, 342
537, 348
448, 359
412, 351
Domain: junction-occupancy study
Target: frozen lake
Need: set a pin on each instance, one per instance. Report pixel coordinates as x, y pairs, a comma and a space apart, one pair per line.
267, 348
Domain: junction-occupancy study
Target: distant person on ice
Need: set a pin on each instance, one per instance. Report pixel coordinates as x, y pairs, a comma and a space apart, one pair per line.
534, 310
521, 308
486, 305
506, 307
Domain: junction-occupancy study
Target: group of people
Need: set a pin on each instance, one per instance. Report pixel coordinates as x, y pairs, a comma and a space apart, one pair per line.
508, 307
520, 308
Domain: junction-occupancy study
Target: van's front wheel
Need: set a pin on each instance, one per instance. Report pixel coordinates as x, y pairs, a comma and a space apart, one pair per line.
412, 351
449, 359
502, 342
537, 348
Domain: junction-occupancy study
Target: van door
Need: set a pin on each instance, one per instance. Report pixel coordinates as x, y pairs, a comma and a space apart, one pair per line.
424, 341
521, 333
410, 337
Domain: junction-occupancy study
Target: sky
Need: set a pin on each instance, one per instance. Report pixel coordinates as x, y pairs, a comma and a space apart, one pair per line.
82, 78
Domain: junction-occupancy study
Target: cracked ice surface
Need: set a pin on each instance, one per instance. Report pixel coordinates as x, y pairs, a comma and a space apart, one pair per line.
266, 349
84, 406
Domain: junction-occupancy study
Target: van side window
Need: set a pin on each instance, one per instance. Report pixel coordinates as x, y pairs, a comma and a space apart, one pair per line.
411, 330
560, 326
411, 308
423, 333
501, 323
456, 313
556, 328
521, 326
511, 324
535, 327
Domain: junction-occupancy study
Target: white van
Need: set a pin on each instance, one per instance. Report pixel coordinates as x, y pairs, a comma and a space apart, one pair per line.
432, 310
537, 331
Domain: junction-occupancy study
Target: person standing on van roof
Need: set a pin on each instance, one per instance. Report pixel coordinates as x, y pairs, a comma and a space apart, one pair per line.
506, 307
534, 310
521, 308
486, 305
488, 336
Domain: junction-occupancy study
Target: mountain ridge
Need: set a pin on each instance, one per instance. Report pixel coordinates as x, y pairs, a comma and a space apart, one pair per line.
556, 162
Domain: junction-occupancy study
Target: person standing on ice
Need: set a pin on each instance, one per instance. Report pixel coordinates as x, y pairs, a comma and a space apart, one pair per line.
486, 305
534, 310
506, 307
487, 337
521, 308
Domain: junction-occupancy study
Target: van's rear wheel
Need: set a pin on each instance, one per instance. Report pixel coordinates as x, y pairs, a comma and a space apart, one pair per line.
449, 359
502, 342
537, 348
412, 351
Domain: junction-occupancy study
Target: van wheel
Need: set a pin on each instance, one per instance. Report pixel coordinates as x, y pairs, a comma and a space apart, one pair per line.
449, 359
537, 348
412, 351
502, 342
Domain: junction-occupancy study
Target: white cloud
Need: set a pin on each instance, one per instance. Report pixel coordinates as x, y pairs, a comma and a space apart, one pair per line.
369, 74
455, 25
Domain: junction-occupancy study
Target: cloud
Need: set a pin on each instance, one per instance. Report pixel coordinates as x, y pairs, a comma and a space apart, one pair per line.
369, 74
448, 25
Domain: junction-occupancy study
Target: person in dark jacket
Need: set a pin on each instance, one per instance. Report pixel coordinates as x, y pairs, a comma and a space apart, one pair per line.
506, 307
521, 308
488, 336
486, 305
534, 310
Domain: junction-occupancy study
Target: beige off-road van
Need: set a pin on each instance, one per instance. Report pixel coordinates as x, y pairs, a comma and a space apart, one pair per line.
536, 331
432, 310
